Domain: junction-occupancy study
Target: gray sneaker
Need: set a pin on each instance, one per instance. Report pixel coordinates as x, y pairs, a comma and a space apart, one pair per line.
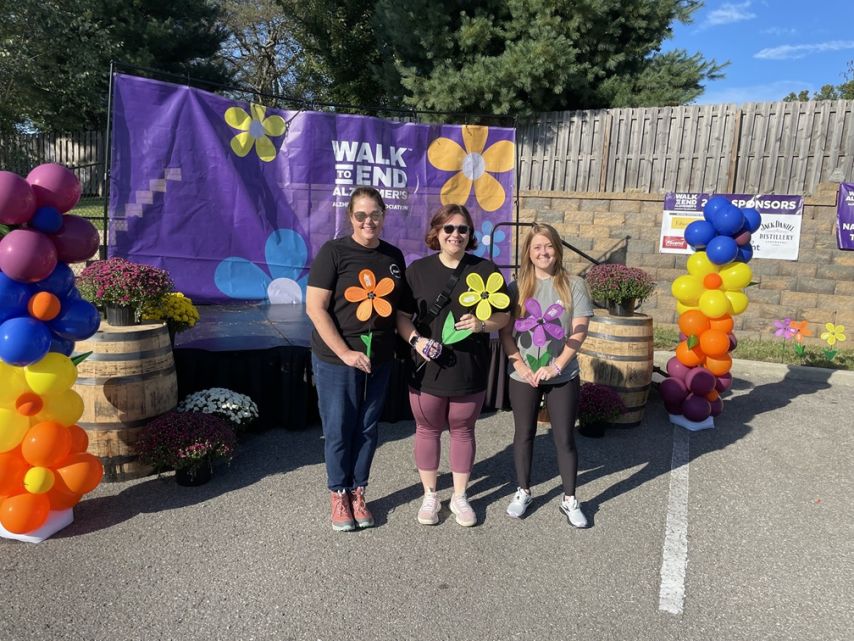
572, 508
519, 504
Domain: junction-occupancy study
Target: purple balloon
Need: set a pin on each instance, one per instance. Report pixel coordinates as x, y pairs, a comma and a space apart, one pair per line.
77, 240
700, 381
722, 250
27, 255
677, 369
17, 200
60, 282
733, 341
743, 238
77, 320
723, 383
47, 220
752, 219
55, 186
717, 406
673, 408
696, 408
23, 341
13, 298
672, 391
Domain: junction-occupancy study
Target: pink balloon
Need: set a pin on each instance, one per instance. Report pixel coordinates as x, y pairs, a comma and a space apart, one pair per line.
77, 240
742, 239
700, 381
55, 186
27, 255
677, 369
723, 383
672, 391
717, 406
696, 408
17, 200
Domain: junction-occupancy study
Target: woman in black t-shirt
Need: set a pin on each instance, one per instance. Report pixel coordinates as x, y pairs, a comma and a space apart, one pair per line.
354, 286
448, 382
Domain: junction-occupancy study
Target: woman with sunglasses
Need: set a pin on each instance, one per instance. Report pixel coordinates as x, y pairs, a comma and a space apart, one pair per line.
354, 285
447, 382
553, 310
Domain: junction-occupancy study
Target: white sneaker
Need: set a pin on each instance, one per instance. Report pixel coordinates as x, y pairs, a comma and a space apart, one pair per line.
465, 514
519, 504
428, 514
572, 508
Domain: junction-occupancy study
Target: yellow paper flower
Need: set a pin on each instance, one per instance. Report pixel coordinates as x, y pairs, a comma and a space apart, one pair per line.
254, 129
473, 165
484, 296
834, 334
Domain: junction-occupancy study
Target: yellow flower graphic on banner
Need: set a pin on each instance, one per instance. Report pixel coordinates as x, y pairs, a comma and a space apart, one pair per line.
484, 296
473, 165
255, 129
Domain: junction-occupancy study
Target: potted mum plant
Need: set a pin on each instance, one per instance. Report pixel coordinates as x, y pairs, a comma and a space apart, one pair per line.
238, 409
598, 405
187, 442
619, 288
121, 288
175, 309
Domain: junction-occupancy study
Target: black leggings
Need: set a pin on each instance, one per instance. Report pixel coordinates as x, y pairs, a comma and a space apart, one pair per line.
562, 404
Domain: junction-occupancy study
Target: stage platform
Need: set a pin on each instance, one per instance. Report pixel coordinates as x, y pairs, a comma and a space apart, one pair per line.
263, 351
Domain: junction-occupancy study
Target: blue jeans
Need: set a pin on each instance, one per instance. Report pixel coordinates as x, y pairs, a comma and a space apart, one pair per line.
349, 413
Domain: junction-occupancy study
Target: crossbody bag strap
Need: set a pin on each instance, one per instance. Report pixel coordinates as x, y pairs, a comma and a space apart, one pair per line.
445, 296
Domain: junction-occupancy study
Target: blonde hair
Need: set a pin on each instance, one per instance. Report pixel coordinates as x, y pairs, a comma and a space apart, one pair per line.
527, 281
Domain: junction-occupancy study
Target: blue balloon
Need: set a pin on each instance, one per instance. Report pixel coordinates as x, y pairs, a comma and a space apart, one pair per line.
62, 346
77, 320
745, 253
59, 282
23, 341
47, 220
728, 220
722, 250
752, 218
13, 297
699, 233
712, 207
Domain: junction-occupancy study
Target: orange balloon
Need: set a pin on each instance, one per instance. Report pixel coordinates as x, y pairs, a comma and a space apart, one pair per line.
79, 439
60, 497
29, 404
12, 470
723, 324
24, 513
713, 395
81, 472
44, 306
693, 322
714, 342
46, 444
691, 357
719, 365
712, 281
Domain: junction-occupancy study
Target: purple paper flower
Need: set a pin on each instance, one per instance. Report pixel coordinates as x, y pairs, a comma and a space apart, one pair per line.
785, 329
538, 323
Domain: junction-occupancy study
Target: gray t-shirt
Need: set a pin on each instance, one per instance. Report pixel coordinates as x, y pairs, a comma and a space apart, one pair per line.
545, 327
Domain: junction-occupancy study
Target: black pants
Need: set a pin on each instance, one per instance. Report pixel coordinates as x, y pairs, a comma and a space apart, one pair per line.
562, 404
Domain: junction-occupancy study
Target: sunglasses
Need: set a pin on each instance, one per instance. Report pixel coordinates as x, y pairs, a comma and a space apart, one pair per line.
462, 229
361, 216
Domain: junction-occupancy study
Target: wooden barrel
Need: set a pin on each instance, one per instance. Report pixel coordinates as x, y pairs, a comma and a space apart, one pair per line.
127, 381
618, 352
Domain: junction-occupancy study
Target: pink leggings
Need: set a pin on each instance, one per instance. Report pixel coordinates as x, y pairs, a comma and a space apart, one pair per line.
432, 415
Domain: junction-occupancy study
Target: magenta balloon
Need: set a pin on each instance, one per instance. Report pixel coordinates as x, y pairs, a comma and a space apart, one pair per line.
77, 240
17, 200
27, 255
743, 238
677, 369
696, 408
723, 383
672, 390
717, 406
700, 381
733, 342
55, 186
673, 408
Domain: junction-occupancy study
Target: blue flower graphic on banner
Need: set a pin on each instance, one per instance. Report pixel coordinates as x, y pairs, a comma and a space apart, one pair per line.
486, 237
286, 253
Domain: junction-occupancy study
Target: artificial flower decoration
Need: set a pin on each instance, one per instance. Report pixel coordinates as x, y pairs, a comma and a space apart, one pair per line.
784, 329
484, 296
713, 289
369, 295
834, 334
801, 330
255, 129
538, 323
487, 237
474, 166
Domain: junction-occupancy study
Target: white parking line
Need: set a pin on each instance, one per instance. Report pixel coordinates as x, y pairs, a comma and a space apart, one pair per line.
675, 554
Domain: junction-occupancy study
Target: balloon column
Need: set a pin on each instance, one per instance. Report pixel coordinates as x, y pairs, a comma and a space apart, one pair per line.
44, 466
708, 297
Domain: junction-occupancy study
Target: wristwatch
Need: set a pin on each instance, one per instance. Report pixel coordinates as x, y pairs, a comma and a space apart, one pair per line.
413, 339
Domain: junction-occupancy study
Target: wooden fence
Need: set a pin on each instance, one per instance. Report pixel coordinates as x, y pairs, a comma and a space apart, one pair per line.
780, 147
82, 151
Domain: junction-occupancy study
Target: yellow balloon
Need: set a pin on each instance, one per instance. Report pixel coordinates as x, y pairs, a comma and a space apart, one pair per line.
12, 383
738, 301
52, 374
714, 304
698, 264
38, 480
13, 427
736, 276
682, 308
686, 289
65, 407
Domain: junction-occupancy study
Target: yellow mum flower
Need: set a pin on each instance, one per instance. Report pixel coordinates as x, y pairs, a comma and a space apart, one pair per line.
834, 334
255, 129
484, 296
473, 165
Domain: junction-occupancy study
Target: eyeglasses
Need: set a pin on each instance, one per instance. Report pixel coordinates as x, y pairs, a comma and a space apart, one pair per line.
449, 229
361, 216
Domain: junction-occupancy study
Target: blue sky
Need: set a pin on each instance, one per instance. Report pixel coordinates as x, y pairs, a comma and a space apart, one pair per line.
774, 46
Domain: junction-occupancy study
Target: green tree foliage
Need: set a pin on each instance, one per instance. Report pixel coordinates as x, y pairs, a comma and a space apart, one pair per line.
844, 91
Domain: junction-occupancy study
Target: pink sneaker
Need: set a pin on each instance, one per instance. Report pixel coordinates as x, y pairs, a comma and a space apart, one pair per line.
428, 514
342, 513
460, 506
361, 513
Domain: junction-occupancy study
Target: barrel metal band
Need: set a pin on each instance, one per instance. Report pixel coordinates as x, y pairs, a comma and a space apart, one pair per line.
130, 356
115, 426
620, 339
622, 320
121, 337
615, 357
133, 378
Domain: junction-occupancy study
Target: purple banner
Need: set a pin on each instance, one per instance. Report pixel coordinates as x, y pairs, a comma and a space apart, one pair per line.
234, 199
845, 216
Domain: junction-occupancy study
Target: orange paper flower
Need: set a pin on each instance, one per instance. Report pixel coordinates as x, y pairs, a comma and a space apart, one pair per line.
801, 329
369, 295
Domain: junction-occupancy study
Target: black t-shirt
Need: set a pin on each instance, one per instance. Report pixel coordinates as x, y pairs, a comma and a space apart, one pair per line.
463, 367
336, 268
